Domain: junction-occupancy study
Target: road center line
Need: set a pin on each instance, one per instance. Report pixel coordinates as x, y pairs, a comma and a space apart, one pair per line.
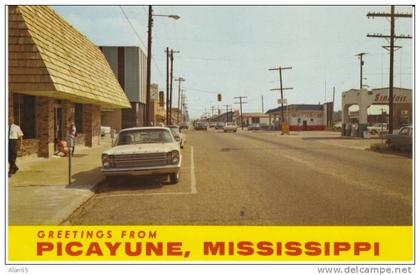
192, 173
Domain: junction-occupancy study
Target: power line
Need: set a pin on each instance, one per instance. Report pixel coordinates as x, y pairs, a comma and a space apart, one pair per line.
141, 41
391, 48
132, 27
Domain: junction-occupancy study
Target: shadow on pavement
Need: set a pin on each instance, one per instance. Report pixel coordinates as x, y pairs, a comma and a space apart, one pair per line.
131, 183
86, 179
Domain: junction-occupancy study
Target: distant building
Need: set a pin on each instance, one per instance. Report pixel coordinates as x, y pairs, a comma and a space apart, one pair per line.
56, 76
129, 66
157, 101
300, 117
249, 118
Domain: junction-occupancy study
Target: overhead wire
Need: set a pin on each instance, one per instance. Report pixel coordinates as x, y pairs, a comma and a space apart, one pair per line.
139, 38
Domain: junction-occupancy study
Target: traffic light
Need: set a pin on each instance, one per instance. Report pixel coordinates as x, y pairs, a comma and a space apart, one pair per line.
219, 97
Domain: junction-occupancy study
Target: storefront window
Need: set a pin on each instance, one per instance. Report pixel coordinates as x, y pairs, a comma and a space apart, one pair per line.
24, 110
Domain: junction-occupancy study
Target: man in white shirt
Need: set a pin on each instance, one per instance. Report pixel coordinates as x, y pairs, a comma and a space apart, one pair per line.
15, 134
72, 133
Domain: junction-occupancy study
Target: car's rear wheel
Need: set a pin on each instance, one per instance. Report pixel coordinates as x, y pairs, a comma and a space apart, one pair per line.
174, 178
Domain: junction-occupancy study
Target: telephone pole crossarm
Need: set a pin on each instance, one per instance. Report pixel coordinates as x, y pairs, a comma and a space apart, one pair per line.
386, 14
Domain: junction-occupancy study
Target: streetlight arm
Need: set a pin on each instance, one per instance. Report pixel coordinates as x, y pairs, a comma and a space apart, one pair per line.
173, 16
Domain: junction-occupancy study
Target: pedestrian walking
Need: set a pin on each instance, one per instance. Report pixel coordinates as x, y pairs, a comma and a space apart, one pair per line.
112, 134
15, 134
72, 134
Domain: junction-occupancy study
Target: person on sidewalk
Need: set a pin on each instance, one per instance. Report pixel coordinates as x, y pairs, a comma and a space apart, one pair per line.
72, 133
15, 134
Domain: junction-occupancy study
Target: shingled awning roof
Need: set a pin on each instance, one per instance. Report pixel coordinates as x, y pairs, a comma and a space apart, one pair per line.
48, 57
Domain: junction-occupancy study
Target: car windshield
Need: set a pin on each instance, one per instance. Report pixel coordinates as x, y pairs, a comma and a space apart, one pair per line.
230, 124
142, 136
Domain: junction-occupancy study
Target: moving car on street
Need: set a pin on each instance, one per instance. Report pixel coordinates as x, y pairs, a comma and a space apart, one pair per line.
143, 151
254, 126
403, 140
183, 125
200, 126
230, 127
179, 137
219, 125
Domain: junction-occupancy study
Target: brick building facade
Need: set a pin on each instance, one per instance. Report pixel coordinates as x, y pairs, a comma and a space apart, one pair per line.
56, 77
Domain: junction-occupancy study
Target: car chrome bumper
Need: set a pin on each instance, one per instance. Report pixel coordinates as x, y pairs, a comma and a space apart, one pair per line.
139, 171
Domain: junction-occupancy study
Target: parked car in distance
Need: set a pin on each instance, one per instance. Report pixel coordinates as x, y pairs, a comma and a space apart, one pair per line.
219, 125
212, 124
254, 126
143, 151
183, 125
264, 126
378, 128
178, 135
402, 140
200, 126
230, 127
338, 125
105, 130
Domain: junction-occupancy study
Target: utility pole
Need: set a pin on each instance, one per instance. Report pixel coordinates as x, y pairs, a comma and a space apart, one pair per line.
360, 55
167, 86
212, 110
182, 105
149, 61
227, 112
281, 89
171, 84
391, 37
240, 107
179, 79
262, 104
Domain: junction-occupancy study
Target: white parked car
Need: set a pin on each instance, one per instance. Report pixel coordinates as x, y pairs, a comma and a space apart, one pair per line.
180, 137
378, 128
105, 130
143, 151
230, 127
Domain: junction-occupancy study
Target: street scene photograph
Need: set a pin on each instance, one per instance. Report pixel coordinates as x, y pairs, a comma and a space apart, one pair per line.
210, 115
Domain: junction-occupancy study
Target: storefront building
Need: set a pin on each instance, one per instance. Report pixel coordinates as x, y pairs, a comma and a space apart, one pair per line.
56, 76
300, 117
402, 113
129, 65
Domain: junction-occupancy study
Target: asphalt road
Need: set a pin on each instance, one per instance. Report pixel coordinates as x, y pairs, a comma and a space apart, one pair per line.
261, 178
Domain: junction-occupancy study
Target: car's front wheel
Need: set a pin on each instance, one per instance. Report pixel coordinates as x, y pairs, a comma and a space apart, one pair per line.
174, 178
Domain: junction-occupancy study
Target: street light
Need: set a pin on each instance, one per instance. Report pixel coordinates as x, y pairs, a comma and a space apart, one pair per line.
149, 59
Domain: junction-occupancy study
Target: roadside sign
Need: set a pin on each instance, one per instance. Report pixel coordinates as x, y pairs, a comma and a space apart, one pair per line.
279, 101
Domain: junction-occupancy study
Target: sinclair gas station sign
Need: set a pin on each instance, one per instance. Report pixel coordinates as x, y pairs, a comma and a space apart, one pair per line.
380, 96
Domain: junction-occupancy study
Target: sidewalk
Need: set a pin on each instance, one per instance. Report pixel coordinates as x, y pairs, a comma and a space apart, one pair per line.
39, 192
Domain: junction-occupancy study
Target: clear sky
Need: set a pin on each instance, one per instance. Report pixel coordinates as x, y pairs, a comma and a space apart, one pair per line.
229, 49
